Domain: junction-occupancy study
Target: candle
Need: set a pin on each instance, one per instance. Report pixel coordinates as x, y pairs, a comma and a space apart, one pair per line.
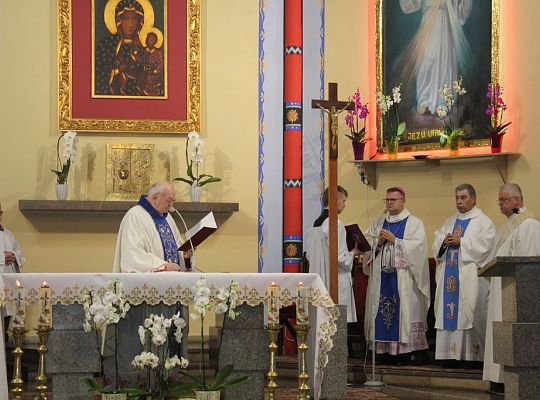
273, 303
302, 305
45, 298
18, 319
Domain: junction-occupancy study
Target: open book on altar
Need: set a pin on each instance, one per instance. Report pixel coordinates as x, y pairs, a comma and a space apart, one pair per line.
355, 235
199, 232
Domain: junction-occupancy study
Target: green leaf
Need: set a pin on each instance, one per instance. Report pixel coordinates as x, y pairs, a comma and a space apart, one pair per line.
222, 374
232, 382
209, 180
183, 180
401, 128
443, 140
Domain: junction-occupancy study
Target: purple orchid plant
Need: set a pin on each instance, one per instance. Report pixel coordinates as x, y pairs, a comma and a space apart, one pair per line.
495, 109
354, 117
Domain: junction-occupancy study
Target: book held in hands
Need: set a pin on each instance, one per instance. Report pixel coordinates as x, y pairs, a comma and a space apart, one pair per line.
199, 232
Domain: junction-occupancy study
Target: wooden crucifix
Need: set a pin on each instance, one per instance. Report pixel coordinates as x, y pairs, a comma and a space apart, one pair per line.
333, 107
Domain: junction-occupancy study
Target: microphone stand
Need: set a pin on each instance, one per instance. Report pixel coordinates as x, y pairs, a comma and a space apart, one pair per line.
373, 383
188, 238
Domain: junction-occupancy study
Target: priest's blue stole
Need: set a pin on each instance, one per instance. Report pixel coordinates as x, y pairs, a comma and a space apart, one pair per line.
451, 279
168, 242
387, 320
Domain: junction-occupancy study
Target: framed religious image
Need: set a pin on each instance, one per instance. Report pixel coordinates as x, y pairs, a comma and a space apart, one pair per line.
129, 170
129, 65
424, 46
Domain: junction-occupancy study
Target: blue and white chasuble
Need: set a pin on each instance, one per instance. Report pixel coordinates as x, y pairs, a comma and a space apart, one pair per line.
387, 320
170, 248
451, 279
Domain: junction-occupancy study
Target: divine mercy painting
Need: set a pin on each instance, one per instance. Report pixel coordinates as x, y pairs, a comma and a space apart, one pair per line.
129, 48
426, 44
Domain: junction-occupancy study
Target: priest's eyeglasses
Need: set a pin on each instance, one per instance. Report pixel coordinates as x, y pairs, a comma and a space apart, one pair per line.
505, 199
392, 200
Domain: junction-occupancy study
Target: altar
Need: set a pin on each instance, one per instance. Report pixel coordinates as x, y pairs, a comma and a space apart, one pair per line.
171, 288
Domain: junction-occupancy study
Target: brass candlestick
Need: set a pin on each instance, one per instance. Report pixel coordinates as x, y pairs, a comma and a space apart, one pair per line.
272, 374
41, 379
17, 381
303, 376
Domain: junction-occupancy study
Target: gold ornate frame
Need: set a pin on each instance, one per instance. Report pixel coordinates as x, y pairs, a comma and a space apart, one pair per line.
379, 43
129, 170
65, 73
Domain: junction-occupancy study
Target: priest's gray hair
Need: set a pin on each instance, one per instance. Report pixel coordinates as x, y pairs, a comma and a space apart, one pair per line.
514, 189
468, 187
158, 187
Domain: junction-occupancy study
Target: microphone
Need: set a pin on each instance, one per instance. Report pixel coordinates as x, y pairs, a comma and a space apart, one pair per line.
172, 209
515, 210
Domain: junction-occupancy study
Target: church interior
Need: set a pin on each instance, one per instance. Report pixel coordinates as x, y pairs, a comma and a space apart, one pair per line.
241, 121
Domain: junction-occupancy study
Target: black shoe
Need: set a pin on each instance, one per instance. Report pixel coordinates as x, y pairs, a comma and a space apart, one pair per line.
497, 388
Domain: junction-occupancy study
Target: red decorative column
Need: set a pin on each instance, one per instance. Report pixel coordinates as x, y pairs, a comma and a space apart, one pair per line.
292, 137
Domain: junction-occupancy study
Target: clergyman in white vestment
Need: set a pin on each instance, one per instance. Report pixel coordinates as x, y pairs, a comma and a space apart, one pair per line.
519, 236
11, 254
148, 241
398, 293
462, 245
317, 254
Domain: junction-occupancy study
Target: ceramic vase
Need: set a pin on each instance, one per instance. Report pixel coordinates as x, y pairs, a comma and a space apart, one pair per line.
358, 150
207, 395
113, 396
195, 193
61, 191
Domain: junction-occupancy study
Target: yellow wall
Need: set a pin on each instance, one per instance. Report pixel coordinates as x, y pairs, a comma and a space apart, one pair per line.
229, 126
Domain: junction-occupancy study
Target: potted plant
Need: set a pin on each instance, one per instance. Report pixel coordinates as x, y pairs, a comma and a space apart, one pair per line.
194, 160
352, 119
102, 310
156, 334
227, 301
452, 131
495, 110
64, 163
393, 128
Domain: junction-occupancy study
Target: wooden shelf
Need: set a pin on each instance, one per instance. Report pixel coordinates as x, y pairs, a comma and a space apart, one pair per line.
368, 168
96, 206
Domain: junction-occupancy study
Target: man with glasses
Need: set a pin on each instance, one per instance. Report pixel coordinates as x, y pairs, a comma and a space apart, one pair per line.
398, 289
461, 246
519, 236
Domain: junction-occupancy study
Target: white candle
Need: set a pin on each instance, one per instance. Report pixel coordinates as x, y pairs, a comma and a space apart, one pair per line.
273, 303
302, 305
20, 305
45, 298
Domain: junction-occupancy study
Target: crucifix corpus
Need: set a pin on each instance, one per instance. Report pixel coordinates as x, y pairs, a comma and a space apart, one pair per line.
333, 107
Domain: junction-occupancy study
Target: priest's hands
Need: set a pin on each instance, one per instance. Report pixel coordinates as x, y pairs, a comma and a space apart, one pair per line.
171, 267
452, 240
10, 257
386, 236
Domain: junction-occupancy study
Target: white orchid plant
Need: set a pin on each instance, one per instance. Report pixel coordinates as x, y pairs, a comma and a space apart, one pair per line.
394, 129
227, 300
69, 153
156, 335
102, 309
450, 96
194, 161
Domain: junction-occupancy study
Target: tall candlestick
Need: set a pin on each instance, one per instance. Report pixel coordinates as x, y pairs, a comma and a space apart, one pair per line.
20, 305
273, 303
302, 305
45, 298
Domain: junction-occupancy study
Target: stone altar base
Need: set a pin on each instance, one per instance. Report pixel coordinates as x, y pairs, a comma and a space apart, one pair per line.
72, 354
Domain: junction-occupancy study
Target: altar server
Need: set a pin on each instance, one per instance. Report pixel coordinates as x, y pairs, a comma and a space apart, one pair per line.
462, 245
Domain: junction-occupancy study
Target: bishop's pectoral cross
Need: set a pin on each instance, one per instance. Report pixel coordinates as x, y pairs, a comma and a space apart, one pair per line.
333, 107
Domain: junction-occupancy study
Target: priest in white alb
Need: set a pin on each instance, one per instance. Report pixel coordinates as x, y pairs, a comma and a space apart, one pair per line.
462, 245
519, 236
398, 290
148, 242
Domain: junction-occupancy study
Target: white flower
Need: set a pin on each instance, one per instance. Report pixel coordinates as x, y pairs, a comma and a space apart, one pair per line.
221, 308
441, 112
142, 335
193, 135
396, 94
145, 359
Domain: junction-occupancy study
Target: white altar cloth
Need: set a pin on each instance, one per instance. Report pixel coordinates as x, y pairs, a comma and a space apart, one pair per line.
173, 287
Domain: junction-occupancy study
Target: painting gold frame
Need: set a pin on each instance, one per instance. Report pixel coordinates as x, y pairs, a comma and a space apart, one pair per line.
380, 50
129, 170
66, 119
